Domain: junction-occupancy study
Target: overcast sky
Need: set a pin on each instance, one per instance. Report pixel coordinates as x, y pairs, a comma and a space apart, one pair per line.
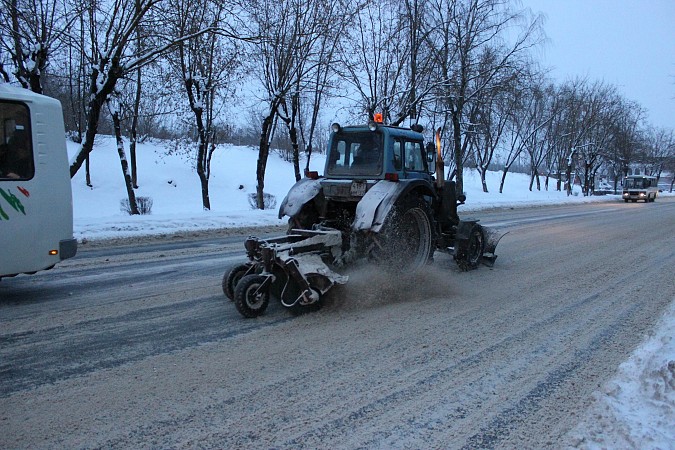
628, 43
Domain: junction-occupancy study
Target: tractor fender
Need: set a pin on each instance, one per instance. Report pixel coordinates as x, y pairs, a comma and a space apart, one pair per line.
374, 207
302, 192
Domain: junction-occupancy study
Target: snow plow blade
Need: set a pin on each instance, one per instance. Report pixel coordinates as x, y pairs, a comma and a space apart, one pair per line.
492, 237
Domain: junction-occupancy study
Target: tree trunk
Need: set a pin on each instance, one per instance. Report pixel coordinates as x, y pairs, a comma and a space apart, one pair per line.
204, 182
308, 152
587, 180
87, 172
594, 173
137, 106
4, 74
501, 184
134, 131
263, 154
568, 173
202, 156
482, 180
293, 134
93, 116
125, 165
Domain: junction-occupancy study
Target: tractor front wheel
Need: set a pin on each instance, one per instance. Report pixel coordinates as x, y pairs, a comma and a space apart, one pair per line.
232, 277
468, 252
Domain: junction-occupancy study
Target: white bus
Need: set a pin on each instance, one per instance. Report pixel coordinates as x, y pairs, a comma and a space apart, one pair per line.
36, 204
640, 187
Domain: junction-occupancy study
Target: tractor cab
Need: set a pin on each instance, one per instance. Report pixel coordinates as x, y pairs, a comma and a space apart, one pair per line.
376, 152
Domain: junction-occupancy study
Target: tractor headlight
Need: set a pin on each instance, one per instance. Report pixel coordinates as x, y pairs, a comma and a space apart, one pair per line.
335, 127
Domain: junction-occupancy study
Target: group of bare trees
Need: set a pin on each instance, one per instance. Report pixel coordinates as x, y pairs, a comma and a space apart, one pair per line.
579, 127
464, 66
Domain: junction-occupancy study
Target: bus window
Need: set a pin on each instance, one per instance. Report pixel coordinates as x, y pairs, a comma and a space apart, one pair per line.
16, 150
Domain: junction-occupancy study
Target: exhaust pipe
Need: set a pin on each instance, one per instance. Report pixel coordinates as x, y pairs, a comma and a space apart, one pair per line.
440, 169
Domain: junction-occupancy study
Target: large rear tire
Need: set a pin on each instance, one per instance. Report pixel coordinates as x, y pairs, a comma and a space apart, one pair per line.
406, 242
248, 301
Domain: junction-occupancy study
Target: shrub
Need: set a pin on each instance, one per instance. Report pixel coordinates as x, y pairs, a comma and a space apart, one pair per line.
144, 205
269, 200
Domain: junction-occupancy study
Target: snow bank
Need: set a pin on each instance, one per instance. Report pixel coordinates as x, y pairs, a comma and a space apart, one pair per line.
637, 408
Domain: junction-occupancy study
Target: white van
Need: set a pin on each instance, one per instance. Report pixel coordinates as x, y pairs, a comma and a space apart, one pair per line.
640, 187
36, 204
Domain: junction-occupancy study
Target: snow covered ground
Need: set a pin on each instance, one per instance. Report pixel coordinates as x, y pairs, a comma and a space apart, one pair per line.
635, 410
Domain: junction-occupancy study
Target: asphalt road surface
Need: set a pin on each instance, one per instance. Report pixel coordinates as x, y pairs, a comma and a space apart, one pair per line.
132, 346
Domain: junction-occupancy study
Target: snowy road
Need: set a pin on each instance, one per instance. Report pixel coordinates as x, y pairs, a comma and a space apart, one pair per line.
121, 350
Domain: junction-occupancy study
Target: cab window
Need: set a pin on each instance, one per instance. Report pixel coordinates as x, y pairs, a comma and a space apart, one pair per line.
414, 157
398, 154
356, 153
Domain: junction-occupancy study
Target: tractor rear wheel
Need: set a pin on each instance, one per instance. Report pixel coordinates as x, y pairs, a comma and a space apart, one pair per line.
406, 242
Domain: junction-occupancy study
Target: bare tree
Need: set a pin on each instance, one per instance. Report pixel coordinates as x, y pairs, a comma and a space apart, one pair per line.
291, 35
319, 86
660, 150
488, 118
111, 29
205, 65
599, 127
384, 59
462, 31
622, 137
600, 111
30, 31
124, 163
545, 105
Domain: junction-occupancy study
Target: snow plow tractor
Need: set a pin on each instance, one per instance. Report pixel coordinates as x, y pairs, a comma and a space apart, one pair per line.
383, 197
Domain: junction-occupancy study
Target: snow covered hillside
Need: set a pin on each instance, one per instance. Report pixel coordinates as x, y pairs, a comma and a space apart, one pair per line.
173, 185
